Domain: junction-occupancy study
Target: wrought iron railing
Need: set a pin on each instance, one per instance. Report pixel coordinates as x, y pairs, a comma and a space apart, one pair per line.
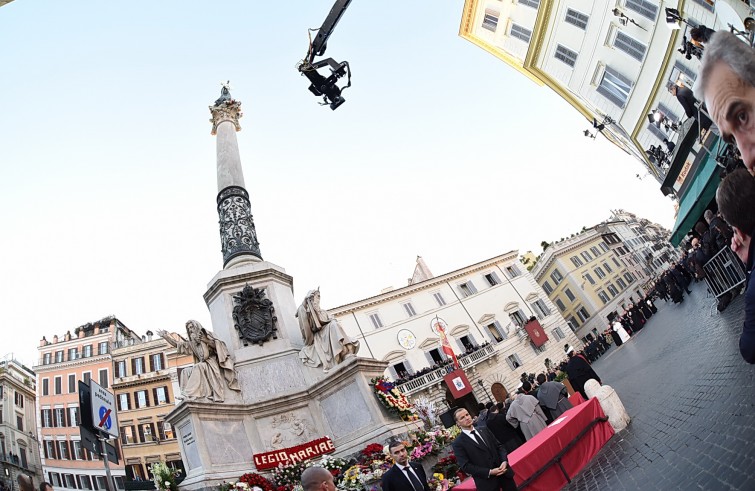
436, 376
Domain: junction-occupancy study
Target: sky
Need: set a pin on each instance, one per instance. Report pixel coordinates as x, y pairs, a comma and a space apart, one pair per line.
107, 164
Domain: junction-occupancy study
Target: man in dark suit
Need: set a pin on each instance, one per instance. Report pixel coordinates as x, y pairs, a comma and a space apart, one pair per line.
404, 475
480, 455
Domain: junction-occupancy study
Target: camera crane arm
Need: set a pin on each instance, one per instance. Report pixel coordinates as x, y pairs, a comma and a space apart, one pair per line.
320, 85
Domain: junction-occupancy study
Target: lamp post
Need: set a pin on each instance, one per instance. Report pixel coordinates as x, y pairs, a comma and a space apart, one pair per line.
482, 386
625, 19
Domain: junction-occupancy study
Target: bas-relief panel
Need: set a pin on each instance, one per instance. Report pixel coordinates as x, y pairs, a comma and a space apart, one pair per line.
188, 441
346, 410
261, 380
287, 429
226, 441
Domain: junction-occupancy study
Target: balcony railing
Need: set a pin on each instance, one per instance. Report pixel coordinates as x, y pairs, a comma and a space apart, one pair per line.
436, 376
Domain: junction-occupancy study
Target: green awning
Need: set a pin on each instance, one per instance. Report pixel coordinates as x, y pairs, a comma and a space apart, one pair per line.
698, 196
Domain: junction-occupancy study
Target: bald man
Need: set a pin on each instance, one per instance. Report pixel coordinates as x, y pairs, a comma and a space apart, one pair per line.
317, 479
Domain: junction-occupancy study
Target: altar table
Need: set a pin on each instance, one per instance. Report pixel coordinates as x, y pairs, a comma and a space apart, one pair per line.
530, 461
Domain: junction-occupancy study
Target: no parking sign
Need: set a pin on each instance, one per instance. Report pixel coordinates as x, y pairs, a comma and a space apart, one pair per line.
104, 416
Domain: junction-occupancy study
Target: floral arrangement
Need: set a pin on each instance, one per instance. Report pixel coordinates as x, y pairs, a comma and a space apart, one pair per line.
393, 400
439, 483
448, 466
424, 443
289, 475
426, 411
163, 477
254, 480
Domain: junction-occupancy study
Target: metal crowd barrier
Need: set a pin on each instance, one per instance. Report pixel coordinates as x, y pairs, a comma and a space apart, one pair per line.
724, 272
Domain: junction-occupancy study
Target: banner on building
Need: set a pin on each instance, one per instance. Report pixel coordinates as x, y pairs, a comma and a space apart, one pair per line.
458, 383
299, 453
536, 332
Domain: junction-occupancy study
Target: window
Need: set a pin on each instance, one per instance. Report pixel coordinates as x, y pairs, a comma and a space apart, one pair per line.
156, 362
467, 289
58, 385
490, 21
607, 267
60, 417
46, 418
73, 353
492, 279
681, 73
645, 8
102, 350
376, 322
165, 430
140, 399
530, 3
595, 251
558, 334
104, 378
72, 383
612, 289
615, 87
583, 314
73, 416
87, 377
586, 256
603, 297
86, 351
50, 448
101, 482
84, 481
576, 261
588, 277
513, 271
604, 246
621, 283
124, 402
127, 435
161, 395
78, 454
45, 386
541, 310
630, 46
120, 369
496, 331
63, 451
46, 358
409, 308
560, 305
148, 432
137, 365
556, 276
616, 262
514, 361
439, 298
569, 295
566, 55
518, 318
628, 277
599, 272
537, 350
520, 32
547, 287
58, 356
576, 18
20, 422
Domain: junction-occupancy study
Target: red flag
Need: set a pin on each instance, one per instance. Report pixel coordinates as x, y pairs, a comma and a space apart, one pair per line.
445, 345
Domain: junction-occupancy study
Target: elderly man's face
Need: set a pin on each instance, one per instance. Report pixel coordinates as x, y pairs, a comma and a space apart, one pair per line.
731, 102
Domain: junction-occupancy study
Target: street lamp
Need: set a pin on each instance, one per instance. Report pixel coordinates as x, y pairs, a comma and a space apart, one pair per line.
599, 126
482, 386
625, 19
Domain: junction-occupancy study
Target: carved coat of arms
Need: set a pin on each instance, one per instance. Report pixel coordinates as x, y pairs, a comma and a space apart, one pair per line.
254, 316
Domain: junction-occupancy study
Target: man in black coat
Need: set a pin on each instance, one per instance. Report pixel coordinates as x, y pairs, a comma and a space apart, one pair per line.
404, 475
480, 455
579, 372
687, 99
503, 431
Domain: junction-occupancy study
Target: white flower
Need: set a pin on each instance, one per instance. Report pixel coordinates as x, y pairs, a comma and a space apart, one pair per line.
167, 484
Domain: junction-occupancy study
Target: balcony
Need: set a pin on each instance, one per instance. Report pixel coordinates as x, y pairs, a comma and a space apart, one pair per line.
436, 376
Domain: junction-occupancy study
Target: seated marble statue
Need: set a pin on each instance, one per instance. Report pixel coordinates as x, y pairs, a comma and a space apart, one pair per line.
325, 342
213, 369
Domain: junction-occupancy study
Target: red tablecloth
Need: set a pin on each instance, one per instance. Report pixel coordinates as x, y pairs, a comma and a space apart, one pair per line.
576, 399
534, 454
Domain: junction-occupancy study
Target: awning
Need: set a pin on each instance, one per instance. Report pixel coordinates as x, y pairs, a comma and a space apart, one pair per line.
701, 191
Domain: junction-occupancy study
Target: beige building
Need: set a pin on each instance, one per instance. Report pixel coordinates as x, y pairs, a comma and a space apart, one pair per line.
484, 305
586, 278
19, 450
64, 361
145, 386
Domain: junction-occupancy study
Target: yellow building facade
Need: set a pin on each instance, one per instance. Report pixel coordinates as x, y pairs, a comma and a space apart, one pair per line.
146, 385
586, 280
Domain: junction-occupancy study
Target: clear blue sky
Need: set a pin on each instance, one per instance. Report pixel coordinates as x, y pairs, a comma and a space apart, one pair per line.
107, 165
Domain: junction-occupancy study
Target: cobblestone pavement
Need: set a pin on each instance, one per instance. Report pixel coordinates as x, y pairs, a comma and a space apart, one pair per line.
691, 398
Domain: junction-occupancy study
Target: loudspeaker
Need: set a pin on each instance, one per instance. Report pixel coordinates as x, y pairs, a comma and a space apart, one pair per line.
447, 418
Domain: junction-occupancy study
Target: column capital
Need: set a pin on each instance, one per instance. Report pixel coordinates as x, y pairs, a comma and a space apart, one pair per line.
229, 110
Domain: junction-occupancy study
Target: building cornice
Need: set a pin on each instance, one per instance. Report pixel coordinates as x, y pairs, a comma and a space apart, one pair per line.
424, 285
55, 366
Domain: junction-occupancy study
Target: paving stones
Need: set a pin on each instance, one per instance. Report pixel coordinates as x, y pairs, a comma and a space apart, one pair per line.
692, 402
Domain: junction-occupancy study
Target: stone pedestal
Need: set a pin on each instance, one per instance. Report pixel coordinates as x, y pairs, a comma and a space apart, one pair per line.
218, 441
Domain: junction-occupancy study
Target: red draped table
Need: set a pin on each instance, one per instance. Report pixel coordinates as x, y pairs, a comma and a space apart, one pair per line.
538, 452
